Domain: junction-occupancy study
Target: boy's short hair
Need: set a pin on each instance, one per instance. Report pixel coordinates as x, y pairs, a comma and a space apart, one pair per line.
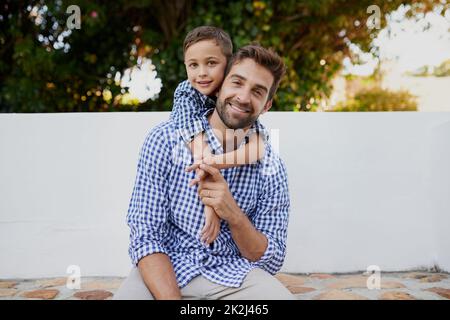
198, 34
267, 58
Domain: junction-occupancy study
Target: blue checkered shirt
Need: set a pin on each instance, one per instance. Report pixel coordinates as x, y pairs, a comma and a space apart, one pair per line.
189, 105
166, 215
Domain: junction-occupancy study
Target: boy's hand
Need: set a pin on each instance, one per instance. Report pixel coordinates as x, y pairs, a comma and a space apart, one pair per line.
211, 229
209, 160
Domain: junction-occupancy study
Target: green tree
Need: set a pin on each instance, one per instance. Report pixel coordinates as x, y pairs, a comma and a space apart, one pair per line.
46, 68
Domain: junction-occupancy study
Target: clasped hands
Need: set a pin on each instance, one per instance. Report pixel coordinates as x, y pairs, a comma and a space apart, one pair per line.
213, 189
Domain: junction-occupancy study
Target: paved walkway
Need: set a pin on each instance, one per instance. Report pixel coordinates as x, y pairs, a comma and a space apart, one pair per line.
393, 286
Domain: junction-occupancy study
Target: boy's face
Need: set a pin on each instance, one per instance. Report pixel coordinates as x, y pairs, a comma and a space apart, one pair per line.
244, 94
205, 66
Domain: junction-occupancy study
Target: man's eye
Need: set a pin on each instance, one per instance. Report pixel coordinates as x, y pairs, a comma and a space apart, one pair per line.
236, 82
257, 93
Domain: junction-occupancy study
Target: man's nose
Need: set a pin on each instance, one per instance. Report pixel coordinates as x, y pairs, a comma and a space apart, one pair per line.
243, 96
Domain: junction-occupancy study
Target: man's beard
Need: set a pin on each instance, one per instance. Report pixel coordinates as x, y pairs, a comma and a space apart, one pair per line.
223, 110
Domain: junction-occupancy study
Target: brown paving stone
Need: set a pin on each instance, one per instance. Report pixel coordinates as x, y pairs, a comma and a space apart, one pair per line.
426, 277
7, 284
415, 275
299, 290
46, 294
56, 282
361, 282
93, 295
434, 278
7, 293
289, 280
102, 284
443, 292
391, 285
396, 295
339, 295
321, 276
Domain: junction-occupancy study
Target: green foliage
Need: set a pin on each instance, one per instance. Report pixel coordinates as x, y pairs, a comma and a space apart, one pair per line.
377, 99
36, 76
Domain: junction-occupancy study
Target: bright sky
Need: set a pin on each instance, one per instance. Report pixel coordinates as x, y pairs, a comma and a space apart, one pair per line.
408, 44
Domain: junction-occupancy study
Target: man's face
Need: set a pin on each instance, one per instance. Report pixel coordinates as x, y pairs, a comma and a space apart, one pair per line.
244, 94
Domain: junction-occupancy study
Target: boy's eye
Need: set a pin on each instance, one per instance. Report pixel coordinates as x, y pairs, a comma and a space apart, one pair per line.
237, 82
212, 63
192, 65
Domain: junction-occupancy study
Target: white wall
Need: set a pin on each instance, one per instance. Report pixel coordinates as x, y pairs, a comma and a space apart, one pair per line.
366, 188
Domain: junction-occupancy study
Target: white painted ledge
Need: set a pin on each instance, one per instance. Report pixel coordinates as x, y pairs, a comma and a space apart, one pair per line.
366, 189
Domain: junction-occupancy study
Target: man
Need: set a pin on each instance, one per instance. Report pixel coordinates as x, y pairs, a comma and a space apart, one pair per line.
165, 214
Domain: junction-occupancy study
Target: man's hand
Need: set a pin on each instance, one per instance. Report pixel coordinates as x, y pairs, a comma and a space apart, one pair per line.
214, 192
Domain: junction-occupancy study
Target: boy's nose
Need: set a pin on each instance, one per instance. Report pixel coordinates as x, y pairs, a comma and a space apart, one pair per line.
202, 71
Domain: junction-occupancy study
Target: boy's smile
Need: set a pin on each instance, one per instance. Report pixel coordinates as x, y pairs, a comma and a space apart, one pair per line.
204, 83
205, 66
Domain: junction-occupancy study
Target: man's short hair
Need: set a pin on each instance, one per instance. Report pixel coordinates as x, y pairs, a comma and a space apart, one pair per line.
267, 58
198, 34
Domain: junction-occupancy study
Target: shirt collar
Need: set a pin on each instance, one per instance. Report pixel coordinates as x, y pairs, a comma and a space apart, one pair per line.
204, 99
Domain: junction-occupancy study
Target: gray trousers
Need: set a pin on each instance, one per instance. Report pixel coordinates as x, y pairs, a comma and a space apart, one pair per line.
257, 285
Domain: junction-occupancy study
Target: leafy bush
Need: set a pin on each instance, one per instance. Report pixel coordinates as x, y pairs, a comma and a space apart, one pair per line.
443, 70
378, 99
38, 75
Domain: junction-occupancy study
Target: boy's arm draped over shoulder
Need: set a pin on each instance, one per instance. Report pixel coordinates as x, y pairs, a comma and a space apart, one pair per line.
188, 108
148, 217
272, 214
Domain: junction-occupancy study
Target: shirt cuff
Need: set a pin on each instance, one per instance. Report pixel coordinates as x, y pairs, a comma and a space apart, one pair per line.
268, 254
144, 250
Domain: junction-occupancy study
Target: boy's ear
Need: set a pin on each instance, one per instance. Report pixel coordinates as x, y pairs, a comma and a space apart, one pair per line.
267, 106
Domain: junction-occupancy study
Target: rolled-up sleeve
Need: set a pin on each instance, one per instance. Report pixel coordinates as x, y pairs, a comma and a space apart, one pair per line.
189, 105
271, 218
149, 207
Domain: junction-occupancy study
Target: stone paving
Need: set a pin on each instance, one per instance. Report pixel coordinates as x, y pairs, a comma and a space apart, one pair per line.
419, 285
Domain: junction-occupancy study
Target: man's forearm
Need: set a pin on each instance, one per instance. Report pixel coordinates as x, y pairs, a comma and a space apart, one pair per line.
251, 243
157, 271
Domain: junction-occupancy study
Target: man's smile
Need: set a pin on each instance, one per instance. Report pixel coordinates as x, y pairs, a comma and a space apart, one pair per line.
237, 107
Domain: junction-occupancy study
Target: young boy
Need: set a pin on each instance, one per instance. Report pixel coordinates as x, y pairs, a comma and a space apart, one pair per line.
206, 53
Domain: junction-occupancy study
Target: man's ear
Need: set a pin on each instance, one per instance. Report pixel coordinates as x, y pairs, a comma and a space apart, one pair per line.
267, 106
